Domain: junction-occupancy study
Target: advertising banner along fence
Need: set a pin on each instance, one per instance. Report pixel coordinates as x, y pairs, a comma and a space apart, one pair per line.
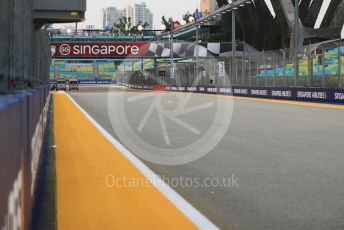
23, 120
139, 49
325, 95
99, 50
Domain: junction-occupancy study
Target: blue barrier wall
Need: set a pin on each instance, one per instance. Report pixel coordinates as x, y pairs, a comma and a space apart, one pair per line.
96, 82
326, 95
23, 118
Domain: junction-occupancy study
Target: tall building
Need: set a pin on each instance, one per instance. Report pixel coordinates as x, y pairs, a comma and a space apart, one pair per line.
208, 6
111, 15
140, 13
129, 12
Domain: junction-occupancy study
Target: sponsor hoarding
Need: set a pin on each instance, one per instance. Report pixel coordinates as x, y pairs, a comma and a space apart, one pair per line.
99, 50
326, 95
23, 120
222, 71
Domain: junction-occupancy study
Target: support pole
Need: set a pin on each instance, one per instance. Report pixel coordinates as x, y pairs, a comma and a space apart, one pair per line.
323, 68
257, 75
274, 67
265, 69
243, 72
310, 69
233, 48
340, 66
172, 61
285, 68
296, 41
249, 71
197, 51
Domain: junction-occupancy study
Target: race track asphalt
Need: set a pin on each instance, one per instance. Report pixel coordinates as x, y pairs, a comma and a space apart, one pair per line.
288, 160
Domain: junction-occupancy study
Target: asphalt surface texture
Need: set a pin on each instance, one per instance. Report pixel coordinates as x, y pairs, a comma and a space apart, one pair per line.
285, 162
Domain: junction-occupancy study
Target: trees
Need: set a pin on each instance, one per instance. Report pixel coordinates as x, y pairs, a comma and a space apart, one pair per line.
126, 27
222, 35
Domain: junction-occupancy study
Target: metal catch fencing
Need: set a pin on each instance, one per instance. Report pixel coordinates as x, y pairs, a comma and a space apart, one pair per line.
320, 65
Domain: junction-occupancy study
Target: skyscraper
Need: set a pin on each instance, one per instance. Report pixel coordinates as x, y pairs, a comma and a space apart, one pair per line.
208, 6
140, 13
111, 15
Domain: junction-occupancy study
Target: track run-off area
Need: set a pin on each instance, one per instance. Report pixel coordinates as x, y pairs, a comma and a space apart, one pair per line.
284, 160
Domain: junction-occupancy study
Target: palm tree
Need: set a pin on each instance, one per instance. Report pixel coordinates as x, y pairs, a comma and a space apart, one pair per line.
122, 27
125, 27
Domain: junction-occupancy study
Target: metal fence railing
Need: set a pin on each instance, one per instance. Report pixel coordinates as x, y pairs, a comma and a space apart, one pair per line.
320, 65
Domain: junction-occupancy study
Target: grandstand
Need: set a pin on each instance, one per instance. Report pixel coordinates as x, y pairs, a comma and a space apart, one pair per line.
103, 69
83, 70
328, 67
323, 64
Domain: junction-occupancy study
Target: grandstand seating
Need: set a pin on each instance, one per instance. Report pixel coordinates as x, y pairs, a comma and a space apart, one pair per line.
104, 69
326, 65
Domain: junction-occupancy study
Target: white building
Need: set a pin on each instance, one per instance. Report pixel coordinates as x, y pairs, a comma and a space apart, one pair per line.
111, 15
139, 13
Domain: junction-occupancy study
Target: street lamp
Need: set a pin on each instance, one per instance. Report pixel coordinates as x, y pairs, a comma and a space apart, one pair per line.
140, 28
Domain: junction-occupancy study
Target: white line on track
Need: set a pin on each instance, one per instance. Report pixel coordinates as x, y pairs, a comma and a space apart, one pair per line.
185, 207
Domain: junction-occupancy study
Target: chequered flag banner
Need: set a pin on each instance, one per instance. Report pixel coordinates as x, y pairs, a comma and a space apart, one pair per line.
163, 49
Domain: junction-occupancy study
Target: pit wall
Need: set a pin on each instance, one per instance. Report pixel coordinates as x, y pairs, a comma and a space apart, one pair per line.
324, 95
23, 119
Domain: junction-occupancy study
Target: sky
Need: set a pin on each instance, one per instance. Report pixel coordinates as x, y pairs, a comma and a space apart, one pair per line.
159, 8
175, 8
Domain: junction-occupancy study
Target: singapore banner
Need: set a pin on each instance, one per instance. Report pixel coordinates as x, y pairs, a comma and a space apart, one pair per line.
99, 50
138, 49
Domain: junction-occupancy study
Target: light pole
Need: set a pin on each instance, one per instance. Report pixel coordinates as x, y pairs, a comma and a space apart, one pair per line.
140, 28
